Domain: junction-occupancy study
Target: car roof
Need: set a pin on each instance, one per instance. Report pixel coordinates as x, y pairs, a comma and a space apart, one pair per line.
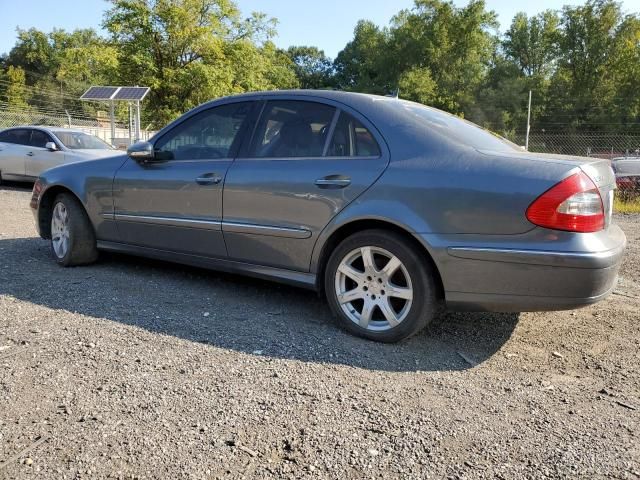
352, 99
46, 128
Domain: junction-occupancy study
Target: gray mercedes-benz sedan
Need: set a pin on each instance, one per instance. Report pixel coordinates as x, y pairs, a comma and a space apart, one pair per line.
388, 207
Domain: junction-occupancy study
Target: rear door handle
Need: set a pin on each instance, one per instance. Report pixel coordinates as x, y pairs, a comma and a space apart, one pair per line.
333, 181
30, 154
209, 179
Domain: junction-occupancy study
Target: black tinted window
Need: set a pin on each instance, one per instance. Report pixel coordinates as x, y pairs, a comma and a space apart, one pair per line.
352, 139
207, 135
39, 139
18, 136
292, 129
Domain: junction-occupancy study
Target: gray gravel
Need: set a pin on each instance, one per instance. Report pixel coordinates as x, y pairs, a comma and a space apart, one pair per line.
139, 369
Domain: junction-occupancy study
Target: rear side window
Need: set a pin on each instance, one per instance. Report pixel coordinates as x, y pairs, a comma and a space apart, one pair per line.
18, 136
39, 139
290, 129
457, 129
352, 139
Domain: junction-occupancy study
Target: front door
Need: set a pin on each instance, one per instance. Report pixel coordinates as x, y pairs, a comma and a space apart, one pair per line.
306, 162
174, 202
40, 158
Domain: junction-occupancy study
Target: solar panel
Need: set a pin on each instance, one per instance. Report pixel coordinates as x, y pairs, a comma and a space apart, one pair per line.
99, 93
131, 93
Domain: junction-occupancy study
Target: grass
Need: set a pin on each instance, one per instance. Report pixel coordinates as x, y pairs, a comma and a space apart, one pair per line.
626, 205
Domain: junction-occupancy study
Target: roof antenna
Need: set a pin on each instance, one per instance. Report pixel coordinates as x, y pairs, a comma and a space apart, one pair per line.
395, 94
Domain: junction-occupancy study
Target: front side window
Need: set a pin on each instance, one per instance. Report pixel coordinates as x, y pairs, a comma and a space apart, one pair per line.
39, 139
352, 139
292, 128
210, 134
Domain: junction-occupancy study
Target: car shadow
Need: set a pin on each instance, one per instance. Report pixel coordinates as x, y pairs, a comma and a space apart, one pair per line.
235, 312
16, 186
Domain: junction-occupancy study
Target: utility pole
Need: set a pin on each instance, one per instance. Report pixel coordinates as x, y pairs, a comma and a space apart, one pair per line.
526, 145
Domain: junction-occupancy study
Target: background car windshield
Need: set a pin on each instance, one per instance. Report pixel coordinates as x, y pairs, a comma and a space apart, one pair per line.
81, 141
458, 129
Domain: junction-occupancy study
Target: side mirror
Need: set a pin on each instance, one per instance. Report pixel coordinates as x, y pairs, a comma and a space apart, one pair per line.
141, 152
51, 146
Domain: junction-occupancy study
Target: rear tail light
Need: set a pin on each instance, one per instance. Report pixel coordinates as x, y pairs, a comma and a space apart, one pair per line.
574, 205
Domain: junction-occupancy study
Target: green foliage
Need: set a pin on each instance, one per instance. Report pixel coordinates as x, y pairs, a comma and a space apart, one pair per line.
360, 66
435, 52
189, 51
532, 43
16, 92
312, 67
582, 63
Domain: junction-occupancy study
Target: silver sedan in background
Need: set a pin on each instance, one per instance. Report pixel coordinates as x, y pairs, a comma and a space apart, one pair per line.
25, 152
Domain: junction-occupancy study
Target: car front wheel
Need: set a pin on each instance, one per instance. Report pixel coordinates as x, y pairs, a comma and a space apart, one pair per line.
73, 241
380, 287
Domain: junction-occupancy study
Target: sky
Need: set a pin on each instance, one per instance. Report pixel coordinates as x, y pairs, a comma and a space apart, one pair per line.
327, 24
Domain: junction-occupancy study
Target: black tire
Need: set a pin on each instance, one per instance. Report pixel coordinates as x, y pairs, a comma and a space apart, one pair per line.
82, 248
424, 304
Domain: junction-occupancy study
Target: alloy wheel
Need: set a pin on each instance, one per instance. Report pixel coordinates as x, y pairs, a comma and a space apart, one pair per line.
60, 230
373, 288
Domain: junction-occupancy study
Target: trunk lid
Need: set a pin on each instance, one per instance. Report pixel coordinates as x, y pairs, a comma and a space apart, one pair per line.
599, 171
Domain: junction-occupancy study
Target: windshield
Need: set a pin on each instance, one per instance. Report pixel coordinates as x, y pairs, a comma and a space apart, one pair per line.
458, 129
79, 140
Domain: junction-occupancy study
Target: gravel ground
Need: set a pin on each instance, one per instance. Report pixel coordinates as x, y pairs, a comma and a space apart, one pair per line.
140, 369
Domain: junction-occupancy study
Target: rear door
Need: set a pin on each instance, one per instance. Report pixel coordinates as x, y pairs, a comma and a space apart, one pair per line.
306, 162
175, 204
14, 145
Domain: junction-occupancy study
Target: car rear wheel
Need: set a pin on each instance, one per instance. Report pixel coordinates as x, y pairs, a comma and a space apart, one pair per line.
73, 241
379, 286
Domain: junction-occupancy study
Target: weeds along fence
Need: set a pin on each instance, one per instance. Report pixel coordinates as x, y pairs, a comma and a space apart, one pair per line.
12, 117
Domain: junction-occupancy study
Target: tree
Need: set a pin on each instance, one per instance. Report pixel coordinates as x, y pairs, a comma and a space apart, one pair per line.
33, 53
454, 44
531, 43
584, 85
435, 52
188, 51
360, 66
16, 93
312, 67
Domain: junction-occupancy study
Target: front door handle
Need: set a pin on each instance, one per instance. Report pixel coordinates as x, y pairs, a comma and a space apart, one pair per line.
333, 181
30, 154
209, 179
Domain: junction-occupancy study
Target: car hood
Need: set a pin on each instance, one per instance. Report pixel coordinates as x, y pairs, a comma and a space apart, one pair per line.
88, 154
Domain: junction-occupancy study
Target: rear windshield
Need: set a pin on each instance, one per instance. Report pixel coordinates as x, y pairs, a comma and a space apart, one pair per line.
458, 129
81, 141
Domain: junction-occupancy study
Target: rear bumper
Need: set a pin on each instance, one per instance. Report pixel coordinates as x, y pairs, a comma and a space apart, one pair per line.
519, 279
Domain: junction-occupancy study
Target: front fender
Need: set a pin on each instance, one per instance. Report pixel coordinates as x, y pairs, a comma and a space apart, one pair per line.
92, 184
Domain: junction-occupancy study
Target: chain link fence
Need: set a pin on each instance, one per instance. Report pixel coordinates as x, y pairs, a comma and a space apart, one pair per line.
623, 150
13, 117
